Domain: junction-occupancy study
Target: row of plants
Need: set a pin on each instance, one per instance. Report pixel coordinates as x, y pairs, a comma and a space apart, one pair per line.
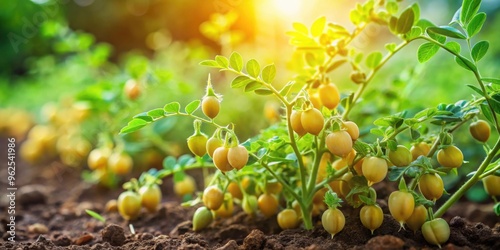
314, 159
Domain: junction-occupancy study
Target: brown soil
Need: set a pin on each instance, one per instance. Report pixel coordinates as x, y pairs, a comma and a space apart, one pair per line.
50, 214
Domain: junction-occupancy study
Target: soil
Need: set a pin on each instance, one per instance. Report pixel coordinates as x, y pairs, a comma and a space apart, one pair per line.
50, 214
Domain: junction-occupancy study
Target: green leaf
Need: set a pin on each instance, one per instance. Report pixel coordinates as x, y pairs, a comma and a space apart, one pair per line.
144, 116
355, 16
405, 21
284, 91
414, 33
441, 39
453, 46
476, 24
395, 173
318, 26
424, 24
456, 16
252, 86
373, 59
95, 215
393, 23
485, 109
479, 50
210, 63
236, 62
133, 125
447, 31
426, 51
253, 68
465, 63
240, 82
300, 28
268, 73
392, 145
416, 12
496, 208
414, 134
491, 80
390, 47
172, 107
192, 106
479, 91
222, 61
156, 113
169, 163
469, 9
331, 199
263, 92
392, 7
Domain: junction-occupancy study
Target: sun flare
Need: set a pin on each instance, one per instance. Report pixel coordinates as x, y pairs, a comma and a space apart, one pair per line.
287, 7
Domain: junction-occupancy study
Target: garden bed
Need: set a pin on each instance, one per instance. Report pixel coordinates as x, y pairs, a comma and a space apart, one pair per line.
48, 199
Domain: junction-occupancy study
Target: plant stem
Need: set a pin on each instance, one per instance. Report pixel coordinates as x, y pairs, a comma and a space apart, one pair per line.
468, 184
295, 149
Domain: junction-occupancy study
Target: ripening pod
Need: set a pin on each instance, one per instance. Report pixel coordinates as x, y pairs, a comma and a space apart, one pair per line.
401, 205
268, 204
436, 231
132, 89
480, 130
202, 218
491, 184
212, 144
314, 99
339, 143
237, 157
333, 221
296, 122
227, 208
371, 217
417, 218
312, 121
374, 169
431, 186
213, 197
401, 157
210, 106
351, 128
288, 219
197, 144
329, 95
120, 163
220, 159
450, 157
419, 149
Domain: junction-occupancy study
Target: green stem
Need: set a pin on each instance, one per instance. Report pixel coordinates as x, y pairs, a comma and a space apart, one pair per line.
295, 149
317, 161
468, 184
489, 172
434, 147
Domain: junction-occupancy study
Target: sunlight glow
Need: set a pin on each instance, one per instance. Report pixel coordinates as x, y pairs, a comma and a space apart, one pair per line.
287, 7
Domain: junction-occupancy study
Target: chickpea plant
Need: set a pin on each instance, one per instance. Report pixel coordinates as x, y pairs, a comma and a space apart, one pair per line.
315, 157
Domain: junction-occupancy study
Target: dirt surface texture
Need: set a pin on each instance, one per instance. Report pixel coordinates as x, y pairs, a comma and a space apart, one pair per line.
50, 214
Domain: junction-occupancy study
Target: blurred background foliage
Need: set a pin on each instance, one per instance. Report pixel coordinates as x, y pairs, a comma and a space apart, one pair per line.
53, 51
